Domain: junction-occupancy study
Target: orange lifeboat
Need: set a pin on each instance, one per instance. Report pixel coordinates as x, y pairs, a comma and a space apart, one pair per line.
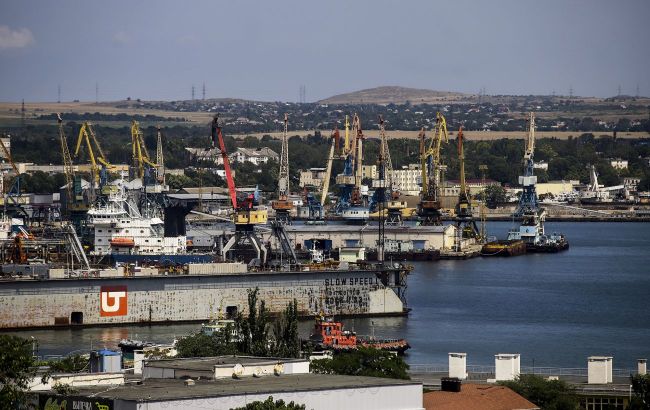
123, 242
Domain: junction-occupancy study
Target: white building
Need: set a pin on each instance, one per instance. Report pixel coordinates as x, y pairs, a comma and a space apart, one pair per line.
618, 163
369, 171
541, 165
408, 179
256, 156
312, 177
315, 391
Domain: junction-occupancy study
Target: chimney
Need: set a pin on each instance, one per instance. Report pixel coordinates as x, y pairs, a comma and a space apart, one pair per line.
641, 366
458, 365
599, 369
451, 384
506, 366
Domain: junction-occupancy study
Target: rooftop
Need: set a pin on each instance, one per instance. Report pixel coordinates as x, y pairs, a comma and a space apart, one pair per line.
209, 363
477, 397
152, 390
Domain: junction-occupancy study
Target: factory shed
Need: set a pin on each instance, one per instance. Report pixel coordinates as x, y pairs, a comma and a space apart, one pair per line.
315, 391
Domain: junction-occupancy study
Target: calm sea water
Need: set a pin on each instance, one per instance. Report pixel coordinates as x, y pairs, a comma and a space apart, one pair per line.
555, 309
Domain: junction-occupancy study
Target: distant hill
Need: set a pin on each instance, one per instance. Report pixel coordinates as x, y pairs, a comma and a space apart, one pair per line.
396, 95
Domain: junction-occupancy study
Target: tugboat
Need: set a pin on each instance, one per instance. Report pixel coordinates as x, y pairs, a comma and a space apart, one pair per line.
330, 335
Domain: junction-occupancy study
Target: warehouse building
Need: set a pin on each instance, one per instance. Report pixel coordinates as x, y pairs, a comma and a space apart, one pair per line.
315, 391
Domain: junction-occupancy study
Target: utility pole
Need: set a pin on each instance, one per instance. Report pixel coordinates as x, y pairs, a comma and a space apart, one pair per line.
570, 92
619, 91
59, 94
192, 92
637, 90
96, 92
204, 91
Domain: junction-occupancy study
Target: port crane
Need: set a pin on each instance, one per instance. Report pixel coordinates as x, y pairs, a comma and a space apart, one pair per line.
139, 155
98, 163
246, 212
466, 226
283, 205
12, 198
532, 216
160, 159
350, 202
429, 206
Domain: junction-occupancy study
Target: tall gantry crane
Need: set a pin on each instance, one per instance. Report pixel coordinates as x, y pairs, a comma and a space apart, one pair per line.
68, 168
465, 224
528, 204
431, 168
246, 214
531, 215
140, 156
99, 175
12, 198
283, 205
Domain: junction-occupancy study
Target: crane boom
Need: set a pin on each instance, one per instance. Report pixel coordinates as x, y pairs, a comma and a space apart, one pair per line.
461, 158
385, 152
328, 170
140, 156
283, 174
217, 137
68, 169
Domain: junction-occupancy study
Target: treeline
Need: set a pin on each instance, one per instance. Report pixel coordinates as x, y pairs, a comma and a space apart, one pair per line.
568, 159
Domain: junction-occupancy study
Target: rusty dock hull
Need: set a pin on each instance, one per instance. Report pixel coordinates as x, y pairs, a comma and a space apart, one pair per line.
179, 298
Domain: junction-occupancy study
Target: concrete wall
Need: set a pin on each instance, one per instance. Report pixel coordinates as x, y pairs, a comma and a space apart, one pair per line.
406, 397
174, 298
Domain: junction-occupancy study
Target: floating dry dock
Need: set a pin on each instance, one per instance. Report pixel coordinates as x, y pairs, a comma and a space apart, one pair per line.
28, 302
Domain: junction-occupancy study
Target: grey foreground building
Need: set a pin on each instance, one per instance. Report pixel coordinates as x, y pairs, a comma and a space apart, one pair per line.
315, 391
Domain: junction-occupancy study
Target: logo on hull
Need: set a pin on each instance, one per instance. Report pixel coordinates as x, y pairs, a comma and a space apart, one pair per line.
113, 301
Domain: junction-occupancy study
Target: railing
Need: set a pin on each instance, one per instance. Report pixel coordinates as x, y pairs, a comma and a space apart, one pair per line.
540, 371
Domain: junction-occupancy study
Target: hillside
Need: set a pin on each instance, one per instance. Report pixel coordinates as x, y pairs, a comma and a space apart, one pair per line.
396, 95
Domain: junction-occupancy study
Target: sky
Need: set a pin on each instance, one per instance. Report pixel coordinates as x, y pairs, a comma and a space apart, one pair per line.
265, 50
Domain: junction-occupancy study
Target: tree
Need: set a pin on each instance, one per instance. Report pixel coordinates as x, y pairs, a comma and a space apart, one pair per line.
641, 388
269, 404
364, 361
547, 394
255, 328
17, 369
202, 345
287, 343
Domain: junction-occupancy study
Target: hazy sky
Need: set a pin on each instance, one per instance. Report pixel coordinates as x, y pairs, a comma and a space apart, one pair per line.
266, 49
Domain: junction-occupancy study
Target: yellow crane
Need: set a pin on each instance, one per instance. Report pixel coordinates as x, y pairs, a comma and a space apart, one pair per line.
68, 169
140, 156
96, 156
431, 168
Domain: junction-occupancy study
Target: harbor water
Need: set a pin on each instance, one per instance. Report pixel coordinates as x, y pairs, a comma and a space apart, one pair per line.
554, 309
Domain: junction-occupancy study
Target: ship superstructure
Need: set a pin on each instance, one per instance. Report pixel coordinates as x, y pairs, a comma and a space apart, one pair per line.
120, 228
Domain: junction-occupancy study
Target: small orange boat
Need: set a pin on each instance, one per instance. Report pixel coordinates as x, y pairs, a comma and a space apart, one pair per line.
329, 334
124, 242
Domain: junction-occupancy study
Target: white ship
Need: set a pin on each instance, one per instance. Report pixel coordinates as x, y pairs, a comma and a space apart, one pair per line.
120, 229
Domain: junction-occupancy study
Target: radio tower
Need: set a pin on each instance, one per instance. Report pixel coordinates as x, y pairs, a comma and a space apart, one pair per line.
192, 92
59, 94
204, 91
96, 92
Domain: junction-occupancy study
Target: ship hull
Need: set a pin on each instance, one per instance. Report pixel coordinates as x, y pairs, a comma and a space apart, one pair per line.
164, 260
180, 298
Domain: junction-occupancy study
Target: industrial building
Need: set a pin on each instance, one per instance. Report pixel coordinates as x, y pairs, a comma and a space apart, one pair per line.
315, 391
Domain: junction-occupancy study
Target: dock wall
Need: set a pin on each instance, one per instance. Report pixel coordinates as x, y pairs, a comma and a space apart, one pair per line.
96, 301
